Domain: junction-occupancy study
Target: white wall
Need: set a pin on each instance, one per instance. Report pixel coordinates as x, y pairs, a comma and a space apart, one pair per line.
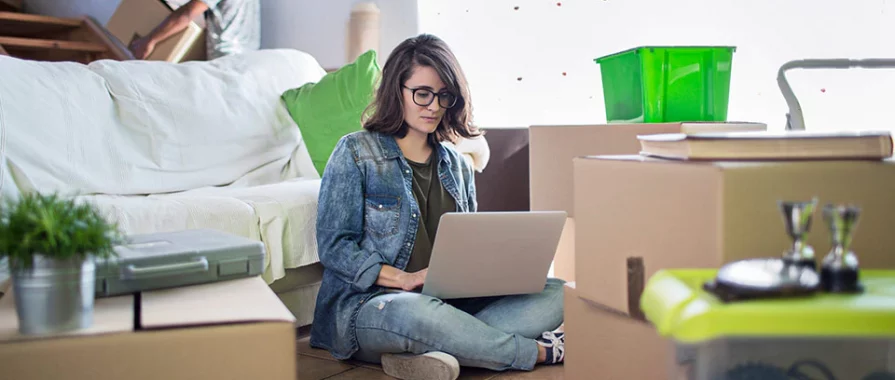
101, 10
319, 27
538, 42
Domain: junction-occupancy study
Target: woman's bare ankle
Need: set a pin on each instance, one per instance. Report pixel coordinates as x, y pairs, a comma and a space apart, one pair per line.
542, 354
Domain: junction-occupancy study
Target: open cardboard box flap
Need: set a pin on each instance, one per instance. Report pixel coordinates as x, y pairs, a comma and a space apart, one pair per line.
234, 301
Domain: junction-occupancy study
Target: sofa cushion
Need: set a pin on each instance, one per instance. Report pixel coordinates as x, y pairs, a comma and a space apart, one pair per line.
282, 215
148, 214
331, 108
286, 216
144, 127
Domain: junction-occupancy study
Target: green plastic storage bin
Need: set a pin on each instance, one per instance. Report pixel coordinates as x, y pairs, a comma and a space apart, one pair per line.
656, 84
820, 337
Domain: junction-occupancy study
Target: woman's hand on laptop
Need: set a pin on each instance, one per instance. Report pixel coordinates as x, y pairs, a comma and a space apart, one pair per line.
391, 277
413, 281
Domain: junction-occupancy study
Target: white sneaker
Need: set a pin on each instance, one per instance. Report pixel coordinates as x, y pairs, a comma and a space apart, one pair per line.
554, 342
429, 366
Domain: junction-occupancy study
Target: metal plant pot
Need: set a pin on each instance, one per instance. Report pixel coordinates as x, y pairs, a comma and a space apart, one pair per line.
53, 295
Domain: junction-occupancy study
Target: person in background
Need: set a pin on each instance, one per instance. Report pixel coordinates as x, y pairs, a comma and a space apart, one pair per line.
232, 27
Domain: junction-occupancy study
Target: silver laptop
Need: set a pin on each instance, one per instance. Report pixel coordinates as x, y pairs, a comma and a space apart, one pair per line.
493, 253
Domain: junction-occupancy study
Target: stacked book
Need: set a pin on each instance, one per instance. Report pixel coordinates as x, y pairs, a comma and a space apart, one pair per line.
738, 142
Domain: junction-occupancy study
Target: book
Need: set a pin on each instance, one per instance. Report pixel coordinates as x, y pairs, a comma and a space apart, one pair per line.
764, 145
730, 126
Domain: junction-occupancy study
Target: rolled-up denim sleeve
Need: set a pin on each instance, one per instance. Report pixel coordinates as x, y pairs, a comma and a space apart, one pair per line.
340, 221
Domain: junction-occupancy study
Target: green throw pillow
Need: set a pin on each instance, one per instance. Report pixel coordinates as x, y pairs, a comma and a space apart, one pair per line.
331, 108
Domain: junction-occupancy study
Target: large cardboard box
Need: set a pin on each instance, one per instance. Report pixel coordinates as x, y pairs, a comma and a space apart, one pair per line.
551, 150
605, 344
136, 18
636, 215
236, 329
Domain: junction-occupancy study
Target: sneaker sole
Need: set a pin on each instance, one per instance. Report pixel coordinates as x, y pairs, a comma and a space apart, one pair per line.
428, 366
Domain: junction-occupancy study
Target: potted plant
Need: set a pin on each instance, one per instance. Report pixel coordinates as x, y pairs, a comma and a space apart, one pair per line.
50, 243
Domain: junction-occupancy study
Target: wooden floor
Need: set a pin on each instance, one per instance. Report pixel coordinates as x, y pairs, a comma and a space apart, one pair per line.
316, 364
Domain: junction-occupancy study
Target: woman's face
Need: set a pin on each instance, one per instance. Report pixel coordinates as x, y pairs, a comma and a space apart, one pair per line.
424, 87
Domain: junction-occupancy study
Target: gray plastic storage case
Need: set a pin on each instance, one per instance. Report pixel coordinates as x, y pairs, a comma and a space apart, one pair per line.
166, 260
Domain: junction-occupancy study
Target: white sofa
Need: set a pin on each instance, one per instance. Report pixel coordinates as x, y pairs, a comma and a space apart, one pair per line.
164, 147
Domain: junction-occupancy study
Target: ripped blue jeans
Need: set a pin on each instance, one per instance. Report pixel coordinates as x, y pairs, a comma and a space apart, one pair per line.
496, 333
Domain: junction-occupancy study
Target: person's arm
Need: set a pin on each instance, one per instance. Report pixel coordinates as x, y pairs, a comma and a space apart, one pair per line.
175, 22
340, 228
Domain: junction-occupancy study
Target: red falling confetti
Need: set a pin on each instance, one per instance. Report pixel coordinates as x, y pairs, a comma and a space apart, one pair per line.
519, 78
563, 73
823, 90
558, 4
516, 8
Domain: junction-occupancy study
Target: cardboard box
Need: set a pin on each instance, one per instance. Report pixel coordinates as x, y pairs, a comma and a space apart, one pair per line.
551, 150
636, 215
235, 329
604, 344
136, 18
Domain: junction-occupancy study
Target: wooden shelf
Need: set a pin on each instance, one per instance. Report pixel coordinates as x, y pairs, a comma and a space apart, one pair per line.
27, 25
39, 44
45, 38
11, 5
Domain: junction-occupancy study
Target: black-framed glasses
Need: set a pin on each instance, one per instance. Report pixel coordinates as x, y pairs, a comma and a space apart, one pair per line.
424, 97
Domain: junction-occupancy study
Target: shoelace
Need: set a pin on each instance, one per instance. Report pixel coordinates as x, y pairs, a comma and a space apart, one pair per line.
556, 346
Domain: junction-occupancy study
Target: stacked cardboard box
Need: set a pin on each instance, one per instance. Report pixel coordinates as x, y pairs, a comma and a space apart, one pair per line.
600, 341
551, 150
606, 344
642, 215
631, 216
234, 329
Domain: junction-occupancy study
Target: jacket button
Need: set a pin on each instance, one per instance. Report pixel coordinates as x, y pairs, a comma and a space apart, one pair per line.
407, 171
413, 215
408, 244
380, 206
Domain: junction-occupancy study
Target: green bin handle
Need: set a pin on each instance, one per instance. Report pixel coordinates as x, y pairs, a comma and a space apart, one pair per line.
794, 119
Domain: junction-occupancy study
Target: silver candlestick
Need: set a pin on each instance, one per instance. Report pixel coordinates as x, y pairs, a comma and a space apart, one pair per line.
797, 218
840, 267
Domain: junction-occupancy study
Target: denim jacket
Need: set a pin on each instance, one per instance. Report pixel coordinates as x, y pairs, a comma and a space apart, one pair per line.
367, 216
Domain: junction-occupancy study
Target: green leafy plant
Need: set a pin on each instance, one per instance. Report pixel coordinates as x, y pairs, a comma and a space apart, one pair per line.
54, 227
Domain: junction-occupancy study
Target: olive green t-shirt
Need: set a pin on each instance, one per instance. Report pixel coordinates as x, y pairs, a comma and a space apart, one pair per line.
434, 201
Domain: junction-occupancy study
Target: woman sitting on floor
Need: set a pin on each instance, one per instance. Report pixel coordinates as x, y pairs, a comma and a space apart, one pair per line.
382, 195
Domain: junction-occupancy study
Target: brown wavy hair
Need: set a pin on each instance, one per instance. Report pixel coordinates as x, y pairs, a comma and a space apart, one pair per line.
386, 113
